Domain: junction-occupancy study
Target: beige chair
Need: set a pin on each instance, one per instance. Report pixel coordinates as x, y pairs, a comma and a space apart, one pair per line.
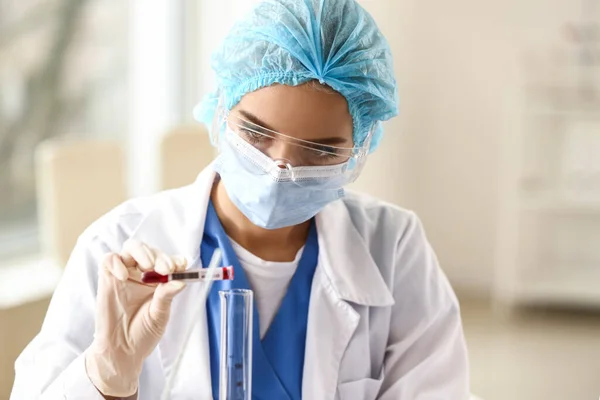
184, 152
77, 182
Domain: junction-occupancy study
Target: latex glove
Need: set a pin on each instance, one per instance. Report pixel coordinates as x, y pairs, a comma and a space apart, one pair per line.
131, 316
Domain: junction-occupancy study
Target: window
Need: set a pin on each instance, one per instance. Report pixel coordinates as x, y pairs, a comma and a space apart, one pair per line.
63, 73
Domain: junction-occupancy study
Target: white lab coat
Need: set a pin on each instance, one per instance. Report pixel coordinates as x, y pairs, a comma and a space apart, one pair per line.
383, 321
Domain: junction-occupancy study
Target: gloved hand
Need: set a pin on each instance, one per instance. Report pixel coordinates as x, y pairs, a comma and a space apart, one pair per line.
131, 316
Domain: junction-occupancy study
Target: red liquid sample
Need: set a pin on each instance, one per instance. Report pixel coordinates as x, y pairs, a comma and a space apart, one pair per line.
154, 277
228, 273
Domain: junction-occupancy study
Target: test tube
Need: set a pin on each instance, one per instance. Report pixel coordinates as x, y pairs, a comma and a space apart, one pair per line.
235, 380
198, 275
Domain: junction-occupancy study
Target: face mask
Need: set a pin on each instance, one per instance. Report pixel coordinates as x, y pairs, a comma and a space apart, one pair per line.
268, 195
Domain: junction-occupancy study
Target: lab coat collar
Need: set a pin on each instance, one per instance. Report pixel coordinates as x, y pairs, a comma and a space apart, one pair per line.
343, 253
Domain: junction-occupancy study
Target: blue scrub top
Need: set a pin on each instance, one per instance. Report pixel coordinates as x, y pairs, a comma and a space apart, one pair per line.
278, 359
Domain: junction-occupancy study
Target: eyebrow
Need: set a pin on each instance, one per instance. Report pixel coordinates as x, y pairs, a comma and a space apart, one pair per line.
333, 140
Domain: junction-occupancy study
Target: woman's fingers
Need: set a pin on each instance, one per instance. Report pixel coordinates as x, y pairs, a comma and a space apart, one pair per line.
160, 307
137, 254
164, 264
112, 263
180, 263
140, 256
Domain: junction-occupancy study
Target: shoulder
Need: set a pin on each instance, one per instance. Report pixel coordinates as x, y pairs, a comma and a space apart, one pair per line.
376, 218
397, 242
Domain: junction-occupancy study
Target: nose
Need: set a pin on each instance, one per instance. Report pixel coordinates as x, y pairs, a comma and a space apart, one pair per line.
283, 154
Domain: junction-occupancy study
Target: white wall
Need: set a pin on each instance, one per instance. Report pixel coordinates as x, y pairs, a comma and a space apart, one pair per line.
465, 78
458, 66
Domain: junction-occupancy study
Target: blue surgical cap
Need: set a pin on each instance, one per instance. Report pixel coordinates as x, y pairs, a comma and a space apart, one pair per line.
290, 42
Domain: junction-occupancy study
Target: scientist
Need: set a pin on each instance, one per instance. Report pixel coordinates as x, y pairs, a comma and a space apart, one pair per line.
349, 297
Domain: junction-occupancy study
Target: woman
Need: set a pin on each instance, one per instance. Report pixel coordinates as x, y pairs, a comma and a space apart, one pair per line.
350, 301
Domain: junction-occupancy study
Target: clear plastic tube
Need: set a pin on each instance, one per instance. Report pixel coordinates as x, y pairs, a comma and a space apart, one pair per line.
235, 381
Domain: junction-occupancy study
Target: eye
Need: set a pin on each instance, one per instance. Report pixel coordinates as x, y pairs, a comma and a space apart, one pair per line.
329, 156
323, 151
252, 136
326, 149
324, 156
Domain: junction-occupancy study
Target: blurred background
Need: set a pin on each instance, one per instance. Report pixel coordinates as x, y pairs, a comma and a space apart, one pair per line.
497, 149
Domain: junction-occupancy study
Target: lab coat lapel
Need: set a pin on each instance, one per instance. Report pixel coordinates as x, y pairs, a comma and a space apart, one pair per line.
194, 368
331, 324
185, 230
346, 274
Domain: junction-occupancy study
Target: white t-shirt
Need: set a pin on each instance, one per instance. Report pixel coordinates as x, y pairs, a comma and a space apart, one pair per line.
268, 280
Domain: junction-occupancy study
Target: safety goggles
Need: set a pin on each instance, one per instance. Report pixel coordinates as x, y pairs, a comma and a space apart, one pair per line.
302, 160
